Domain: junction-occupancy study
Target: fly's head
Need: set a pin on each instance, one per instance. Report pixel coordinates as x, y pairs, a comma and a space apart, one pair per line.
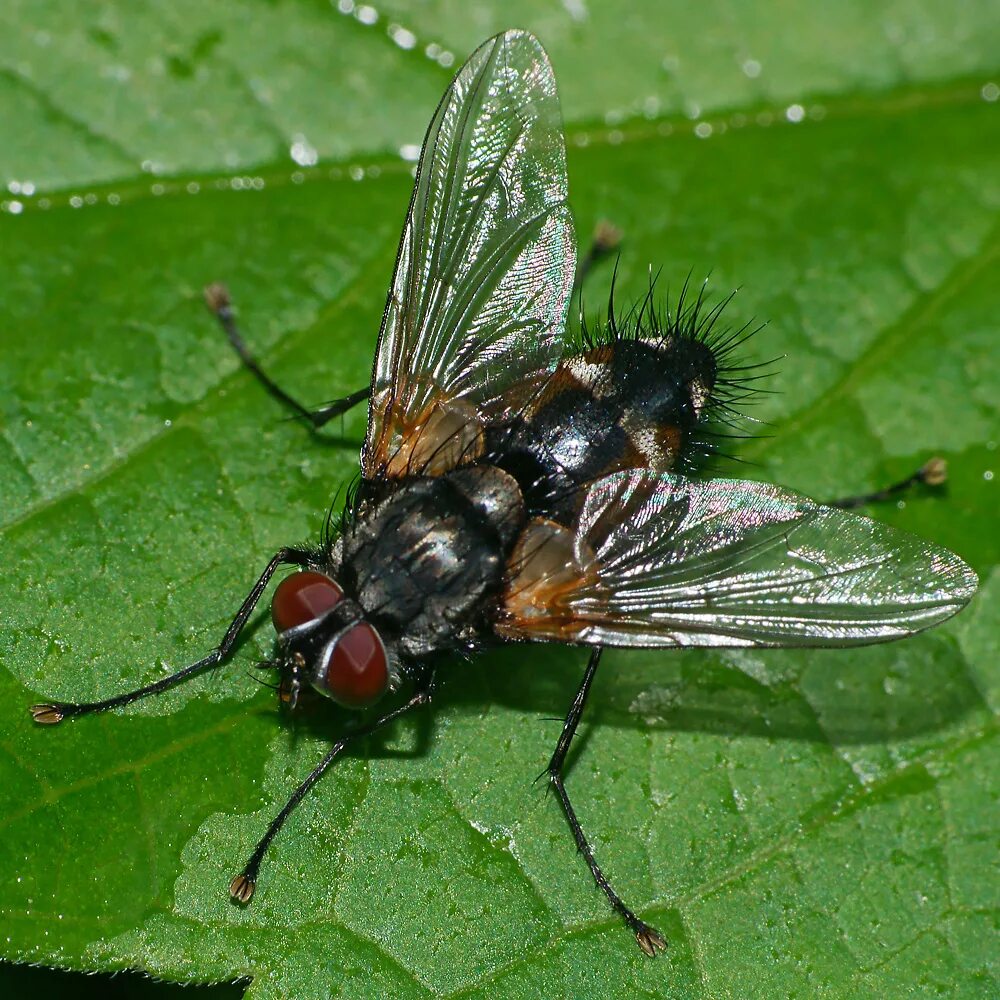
325, 641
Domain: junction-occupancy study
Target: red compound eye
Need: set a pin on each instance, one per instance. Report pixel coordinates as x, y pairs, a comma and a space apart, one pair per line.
357, 672
303, 597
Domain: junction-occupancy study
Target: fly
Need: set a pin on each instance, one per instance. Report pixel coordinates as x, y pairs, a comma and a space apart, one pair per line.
517, 488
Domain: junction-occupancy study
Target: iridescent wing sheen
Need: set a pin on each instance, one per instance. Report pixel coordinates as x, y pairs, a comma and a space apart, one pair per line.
660, 560
476, 313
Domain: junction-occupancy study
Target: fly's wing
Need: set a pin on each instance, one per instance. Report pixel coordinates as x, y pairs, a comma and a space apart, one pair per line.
660, 560
476, 314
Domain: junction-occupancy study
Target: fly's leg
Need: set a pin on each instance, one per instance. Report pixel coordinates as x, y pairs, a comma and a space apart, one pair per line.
217, 297
649, 939
933, 473
605, 241
51, 713
241, 889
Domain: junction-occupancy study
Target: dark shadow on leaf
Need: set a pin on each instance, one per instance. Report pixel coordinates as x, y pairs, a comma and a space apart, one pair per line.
874, 694
877, 694
24, 980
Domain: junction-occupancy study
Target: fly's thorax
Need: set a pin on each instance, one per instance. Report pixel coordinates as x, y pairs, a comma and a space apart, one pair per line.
631, 403
425, 562
496, 496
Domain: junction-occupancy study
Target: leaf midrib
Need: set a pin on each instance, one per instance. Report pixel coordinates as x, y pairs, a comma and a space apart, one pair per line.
955, 92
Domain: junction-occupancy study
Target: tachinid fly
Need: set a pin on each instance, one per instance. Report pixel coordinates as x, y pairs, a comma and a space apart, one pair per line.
517, 488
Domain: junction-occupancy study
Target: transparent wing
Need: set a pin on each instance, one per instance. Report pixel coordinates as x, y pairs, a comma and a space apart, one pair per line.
486, 261
660, 560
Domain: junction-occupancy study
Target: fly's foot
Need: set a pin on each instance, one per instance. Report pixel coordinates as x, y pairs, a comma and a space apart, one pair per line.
649, 939
49, 715
241, 888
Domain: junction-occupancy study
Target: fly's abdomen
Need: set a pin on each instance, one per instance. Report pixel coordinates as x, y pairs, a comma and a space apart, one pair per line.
627, 404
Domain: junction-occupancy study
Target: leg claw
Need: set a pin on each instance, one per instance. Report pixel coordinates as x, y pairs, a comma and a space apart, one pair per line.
48, 715
649, 939
241, 889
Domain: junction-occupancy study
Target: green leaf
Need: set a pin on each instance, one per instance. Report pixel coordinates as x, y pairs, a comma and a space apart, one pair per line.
798, 823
